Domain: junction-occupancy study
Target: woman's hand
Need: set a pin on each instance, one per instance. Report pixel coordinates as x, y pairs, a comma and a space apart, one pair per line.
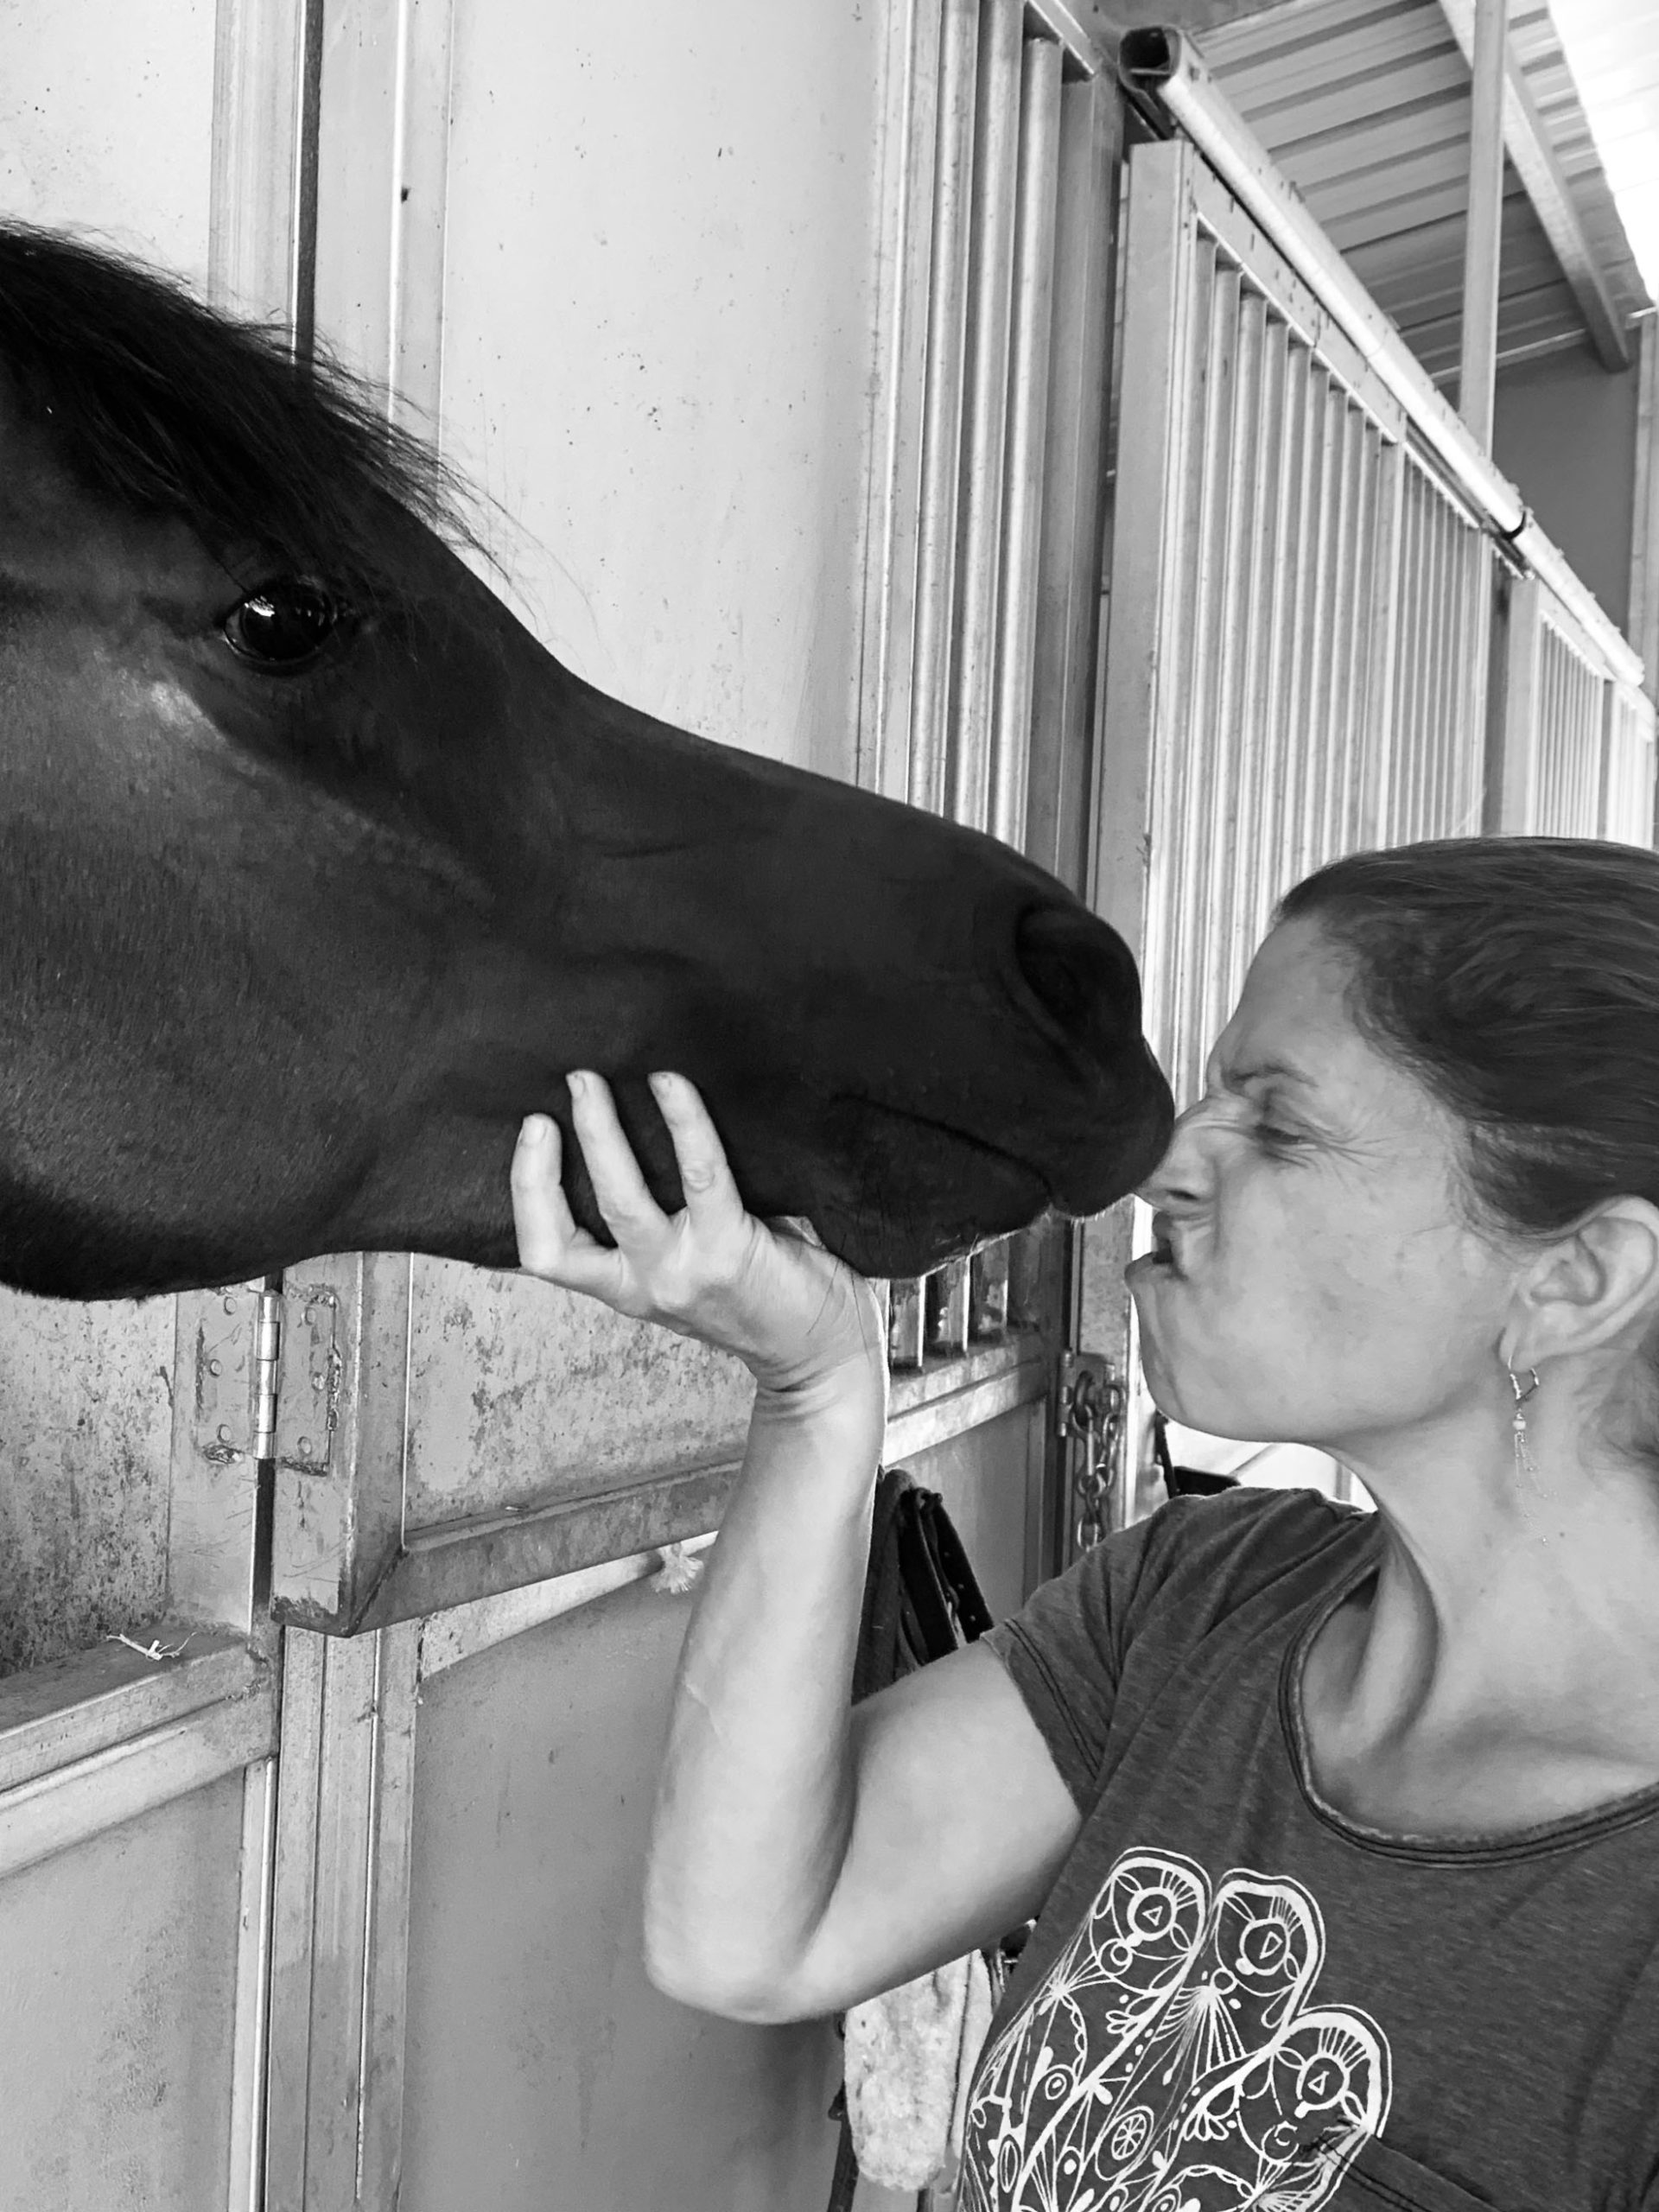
793, 1314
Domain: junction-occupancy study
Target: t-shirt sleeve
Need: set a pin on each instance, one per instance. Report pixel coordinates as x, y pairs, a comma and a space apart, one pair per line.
1065, 1650
1168, 1578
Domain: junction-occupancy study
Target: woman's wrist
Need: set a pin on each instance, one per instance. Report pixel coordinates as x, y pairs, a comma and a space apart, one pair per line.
850, 1394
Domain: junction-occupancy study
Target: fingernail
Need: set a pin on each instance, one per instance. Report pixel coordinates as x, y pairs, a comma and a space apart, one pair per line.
577, 1081
536, 1129
660, 1081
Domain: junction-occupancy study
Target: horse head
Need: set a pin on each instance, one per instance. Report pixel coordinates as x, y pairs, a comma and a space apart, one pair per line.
319, 871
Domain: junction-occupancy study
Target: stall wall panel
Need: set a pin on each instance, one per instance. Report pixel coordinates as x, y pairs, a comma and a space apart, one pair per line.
658, 289
106, 125
560, 1399
1443, 627
85, 1440
1299, 632
118, 1959
106, 122
543, 2072
1572, 712
1629, 812
626, 266
986, 1477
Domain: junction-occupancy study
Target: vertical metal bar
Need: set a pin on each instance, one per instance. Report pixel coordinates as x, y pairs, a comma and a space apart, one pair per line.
1280, 688
1160, 484
1070, 579
1516, 798
1436, 606
1423, 737
1390, 606
1211, 891
909, 137
1174, 767
1328, 422
303, 296
386, 1978
1257, 864
906, 1323
947, 1310
947, 326
1028, 389
1187, 866
990, 302
1363, 651
262, 190
1442, 737
1345, 632
1476, 664
252, 2015
1483, 238
294, 1913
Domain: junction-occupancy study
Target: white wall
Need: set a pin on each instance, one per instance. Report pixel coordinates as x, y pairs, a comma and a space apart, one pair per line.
106, 121
658, 306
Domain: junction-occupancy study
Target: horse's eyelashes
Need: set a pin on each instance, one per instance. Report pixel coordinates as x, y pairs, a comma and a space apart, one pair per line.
283, 625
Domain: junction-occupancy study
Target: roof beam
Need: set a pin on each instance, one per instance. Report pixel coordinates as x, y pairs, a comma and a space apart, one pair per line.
1535, 162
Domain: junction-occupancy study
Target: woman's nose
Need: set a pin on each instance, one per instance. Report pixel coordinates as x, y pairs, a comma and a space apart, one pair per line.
1182, 1176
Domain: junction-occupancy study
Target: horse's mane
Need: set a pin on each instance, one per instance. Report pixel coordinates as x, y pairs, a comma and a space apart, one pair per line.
151, 398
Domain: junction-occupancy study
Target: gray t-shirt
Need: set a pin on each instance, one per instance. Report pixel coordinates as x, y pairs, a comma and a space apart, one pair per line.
1235, 1997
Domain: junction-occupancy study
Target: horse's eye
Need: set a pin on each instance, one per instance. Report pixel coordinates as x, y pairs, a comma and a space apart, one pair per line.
283, 624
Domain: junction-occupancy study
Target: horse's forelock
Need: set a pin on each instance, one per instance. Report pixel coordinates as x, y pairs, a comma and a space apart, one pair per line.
153, 400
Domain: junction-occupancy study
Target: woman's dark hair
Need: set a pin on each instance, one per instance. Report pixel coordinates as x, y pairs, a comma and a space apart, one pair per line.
1518, 979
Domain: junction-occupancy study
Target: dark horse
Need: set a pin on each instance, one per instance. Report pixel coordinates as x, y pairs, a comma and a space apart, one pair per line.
319, 872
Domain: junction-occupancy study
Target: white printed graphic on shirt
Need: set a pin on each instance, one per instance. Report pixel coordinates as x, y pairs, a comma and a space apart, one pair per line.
1170, 2062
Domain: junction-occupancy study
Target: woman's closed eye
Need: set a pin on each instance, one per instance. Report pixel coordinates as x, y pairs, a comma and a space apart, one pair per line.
1274, 1138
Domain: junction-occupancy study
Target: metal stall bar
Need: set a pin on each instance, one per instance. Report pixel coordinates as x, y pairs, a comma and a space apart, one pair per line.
990, 308
1066, 640
1035, 224
947, 327
1628, 806
1010, 410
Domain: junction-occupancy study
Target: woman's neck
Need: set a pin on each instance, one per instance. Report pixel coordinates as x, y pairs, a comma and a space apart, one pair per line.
1502, 1667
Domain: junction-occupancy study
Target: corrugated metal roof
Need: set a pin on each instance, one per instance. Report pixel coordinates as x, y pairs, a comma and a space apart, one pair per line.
1612, 47
1364, 105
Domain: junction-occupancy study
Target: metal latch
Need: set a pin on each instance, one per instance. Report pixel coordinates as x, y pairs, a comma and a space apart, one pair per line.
1092, 1405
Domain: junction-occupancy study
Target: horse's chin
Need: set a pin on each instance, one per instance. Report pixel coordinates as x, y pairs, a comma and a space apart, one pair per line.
893, 1253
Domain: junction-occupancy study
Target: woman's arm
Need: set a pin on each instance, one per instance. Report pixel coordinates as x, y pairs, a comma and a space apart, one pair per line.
803, 1855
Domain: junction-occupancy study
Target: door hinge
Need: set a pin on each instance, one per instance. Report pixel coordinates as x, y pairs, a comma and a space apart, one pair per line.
268, 1376
1090, 1409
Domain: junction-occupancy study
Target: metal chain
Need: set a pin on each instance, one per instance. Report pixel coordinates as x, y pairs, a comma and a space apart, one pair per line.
1095, 1419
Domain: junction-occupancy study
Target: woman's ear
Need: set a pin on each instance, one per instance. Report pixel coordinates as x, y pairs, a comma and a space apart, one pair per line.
1589, 1287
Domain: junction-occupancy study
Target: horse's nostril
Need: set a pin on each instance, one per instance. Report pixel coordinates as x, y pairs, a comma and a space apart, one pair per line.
1081, 971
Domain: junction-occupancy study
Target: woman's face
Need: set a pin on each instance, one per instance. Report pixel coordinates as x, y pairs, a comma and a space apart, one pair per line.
1313, 1280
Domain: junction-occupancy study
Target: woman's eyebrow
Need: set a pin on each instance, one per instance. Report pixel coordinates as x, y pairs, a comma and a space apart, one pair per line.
1237, 1079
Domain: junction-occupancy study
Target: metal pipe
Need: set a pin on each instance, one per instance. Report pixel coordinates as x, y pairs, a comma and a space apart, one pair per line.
1483, 241
1160, 62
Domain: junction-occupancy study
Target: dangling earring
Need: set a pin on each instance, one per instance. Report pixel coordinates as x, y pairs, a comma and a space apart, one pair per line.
1522, 1391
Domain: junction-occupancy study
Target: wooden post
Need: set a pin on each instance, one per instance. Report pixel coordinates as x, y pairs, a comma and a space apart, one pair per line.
1483, 241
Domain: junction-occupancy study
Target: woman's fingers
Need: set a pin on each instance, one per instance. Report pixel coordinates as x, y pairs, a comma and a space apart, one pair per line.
632, 1216
549, 1243
541, 1213
711, 1199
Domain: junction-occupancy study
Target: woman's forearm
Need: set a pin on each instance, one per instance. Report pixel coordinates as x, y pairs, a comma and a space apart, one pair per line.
754, 1806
